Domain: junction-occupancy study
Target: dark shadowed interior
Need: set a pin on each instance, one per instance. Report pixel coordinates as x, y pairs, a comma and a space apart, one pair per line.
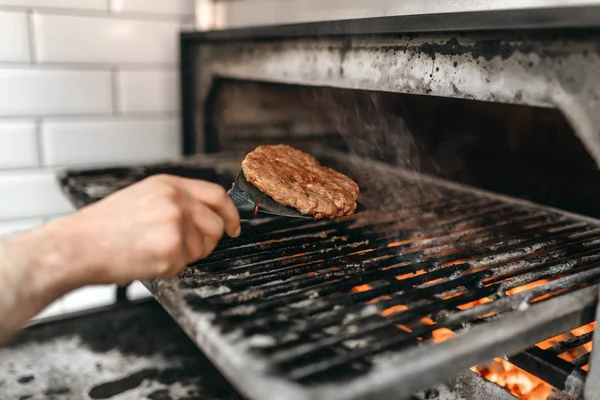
522, 151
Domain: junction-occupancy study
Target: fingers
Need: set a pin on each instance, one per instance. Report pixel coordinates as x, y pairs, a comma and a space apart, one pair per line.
193, 241
209, 227
215, 197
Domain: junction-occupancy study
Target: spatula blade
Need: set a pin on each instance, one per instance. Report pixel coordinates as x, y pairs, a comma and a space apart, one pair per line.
266, 205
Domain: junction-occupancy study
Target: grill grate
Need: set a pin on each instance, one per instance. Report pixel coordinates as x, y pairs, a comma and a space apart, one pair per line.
353, 307
399, 271
562, 361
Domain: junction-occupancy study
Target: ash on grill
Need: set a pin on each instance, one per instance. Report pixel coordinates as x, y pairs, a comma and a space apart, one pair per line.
300, 309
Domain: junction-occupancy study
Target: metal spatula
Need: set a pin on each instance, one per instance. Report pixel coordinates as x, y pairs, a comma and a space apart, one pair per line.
250, 202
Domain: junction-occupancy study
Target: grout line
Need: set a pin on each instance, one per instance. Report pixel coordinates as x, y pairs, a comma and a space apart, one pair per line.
33, 58
116, 94
42, 218
38, 138
102, 13
133, 115
22, 170
75, 66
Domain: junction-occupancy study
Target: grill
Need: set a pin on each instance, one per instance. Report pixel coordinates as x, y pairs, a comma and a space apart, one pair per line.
562, 361
392, 300
435, 277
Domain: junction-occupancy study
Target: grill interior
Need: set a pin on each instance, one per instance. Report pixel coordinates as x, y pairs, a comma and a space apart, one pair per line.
339, 293
326, 309
562, 361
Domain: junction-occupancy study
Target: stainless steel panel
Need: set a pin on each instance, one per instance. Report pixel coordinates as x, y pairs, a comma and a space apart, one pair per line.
251, 13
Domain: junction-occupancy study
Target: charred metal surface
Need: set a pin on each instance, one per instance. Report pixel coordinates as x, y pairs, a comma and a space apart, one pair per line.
546, 365
466, 386
127, 352
493, 146
592, 386
278, 310
537, 70
332, 17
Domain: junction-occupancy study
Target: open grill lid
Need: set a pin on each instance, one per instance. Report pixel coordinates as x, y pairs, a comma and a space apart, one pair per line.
357, 307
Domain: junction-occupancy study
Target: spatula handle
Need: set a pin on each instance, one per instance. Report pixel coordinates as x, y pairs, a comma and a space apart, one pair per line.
244, 204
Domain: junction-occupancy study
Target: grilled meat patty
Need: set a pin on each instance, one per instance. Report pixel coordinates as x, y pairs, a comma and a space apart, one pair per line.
296, 179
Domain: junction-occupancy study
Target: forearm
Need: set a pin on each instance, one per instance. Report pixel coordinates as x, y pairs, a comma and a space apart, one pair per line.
152, 229
33, 273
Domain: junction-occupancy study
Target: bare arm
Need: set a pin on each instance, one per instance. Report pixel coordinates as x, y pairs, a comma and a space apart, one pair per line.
151, 229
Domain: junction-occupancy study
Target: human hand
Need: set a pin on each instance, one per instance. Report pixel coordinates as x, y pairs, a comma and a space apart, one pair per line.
153, 228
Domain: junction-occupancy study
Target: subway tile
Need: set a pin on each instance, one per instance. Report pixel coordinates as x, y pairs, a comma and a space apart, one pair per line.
137, 291
14, 38
18, 145
28, 194
163, 7
54, 309
141, 90
8, 228
41, 91
105, 40
89, 297
99, 5
108, 141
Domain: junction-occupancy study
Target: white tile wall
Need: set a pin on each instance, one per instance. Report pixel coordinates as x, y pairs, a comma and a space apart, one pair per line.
173, 7
13, 227
99, 5
18, 144
82, 81
162, 84
14, 43
53, 309
28, 194
105, 40
89, 297
47, 91
109, 141
137, 291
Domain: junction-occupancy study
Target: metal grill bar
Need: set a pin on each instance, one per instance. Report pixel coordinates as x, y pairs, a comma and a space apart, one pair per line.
548, 364
462, 252
318, 309
570, 344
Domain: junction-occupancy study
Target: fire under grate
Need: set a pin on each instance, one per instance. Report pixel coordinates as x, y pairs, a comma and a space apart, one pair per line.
386, 302
562, 361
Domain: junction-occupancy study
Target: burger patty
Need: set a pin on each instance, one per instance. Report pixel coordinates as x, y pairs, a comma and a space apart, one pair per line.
296, 179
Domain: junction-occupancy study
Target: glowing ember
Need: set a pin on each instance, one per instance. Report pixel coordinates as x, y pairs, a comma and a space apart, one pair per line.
361, 288
518, 382
407, 241
475, 303
410, 275
439, 335
393, 310
524, 288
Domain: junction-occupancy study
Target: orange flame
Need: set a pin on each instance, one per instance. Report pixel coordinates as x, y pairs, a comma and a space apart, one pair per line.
520, 289
520, 383
361, 288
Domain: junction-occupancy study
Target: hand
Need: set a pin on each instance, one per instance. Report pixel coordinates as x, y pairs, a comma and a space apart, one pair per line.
153, 228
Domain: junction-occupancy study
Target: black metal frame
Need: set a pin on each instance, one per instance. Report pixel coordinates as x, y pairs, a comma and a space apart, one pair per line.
187, 93
545, 364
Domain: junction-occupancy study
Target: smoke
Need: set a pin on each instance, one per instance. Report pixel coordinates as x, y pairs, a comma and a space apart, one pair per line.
370, 126
373, 127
